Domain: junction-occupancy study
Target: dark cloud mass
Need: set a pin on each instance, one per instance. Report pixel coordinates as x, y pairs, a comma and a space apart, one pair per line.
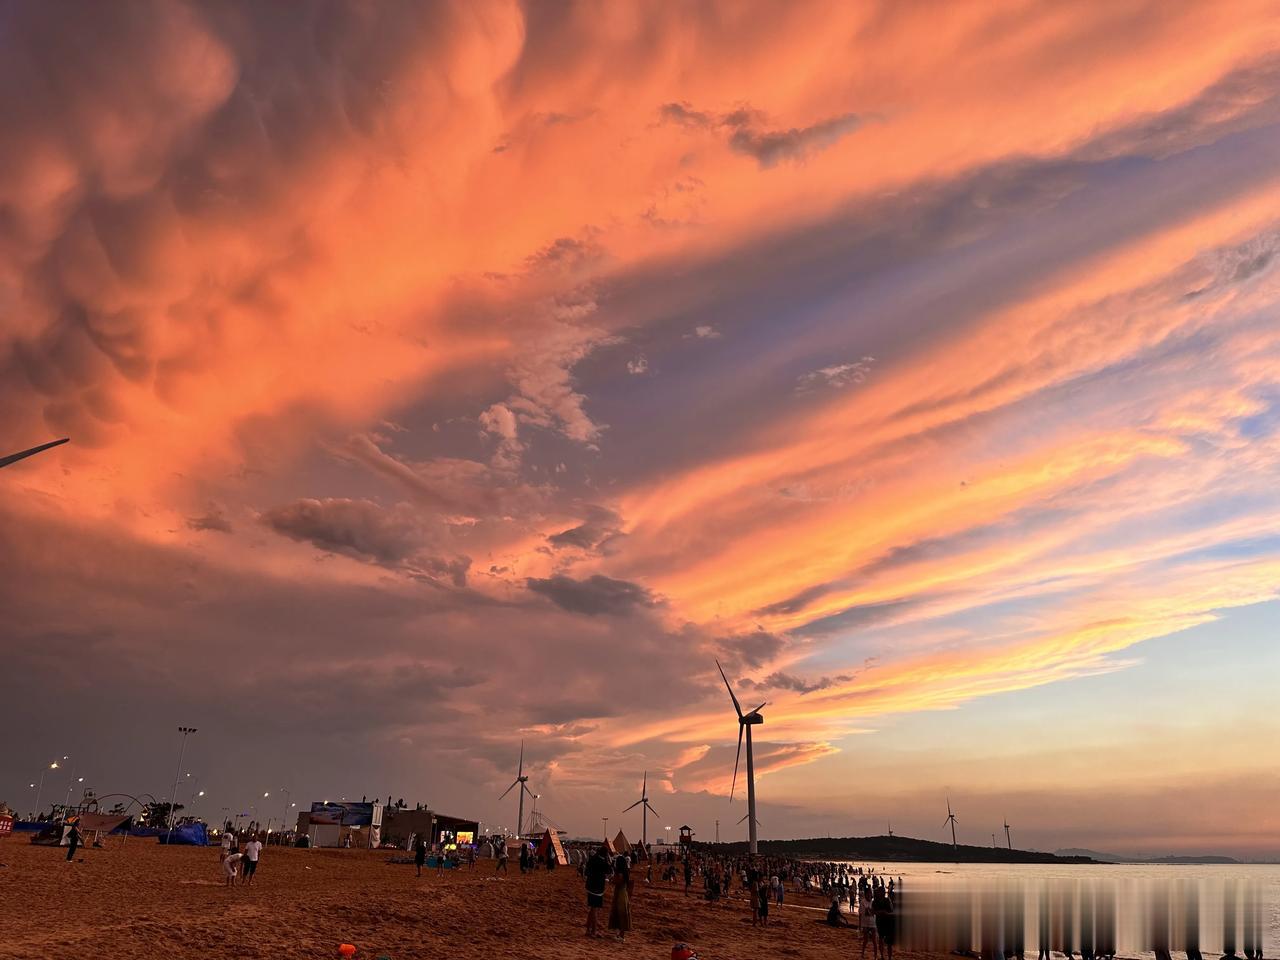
789, 681
358, 528
595, 595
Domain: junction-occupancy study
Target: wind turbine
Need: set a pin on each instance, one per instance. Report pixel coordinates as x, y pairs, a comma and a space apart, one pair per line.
951, 819
891, 829
15, 457
523, 782
745, 722
645, 809
1007, 838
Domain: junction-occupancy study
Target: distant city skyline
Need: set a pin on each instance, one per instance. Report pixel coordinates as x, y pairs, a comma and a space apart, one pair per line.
442, 376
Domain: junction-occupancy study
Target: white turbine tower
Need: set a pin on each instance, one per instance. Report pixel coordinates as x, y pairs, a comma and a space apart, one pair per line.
522, 782
745, 722
645, 810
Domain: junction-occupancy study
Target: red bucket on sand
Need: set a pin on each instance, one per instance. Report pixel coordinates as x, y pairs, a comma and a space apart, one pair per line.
682, 951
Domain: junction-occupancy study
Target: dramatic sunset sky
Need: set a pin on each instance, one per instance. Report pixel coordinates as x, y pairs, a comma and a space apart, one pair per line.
444, 374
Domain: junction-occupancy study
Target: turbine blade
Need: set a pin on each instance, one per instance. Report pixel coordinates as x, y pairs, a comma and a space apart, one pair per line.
651, 810
736, 706
644, 785
521, 773
15, 457
633, 806
744, 816
735, 764
508, 790
758, 709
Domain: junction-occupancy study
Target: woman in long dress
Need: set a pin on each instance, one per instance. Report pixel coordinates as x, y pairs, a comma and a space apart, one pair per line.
620, 914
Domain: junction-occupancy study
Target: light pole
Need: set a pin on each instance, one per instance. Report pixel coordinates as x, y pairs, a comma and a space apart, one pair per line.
284, 820
40, 789
70, 786
717, 831
177, 774
606, 827
668, 829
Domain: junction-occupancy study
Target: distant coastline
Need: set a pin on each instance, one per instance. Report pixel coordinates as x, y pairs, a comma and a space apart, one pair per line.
902, 849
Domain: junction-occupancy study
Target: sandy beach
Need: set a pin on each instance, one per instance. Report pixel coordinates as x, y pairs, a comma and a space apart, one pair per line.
143, 901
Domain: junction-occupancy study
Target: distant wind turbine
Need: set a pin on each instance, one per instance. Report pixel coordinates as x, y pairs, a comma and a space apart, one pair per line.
645, 809
890, 828
1007, 838
15, 457
951, 819
523, 782
745, 722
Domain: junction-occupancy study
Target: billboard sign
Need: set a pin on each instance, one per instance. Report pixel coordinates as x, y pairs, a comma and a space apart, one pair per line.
344, 814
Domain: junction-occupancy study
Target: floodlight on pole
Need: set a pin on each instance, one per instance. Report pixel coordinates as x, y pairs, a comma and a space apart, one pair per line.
173, 800
40, 788
745, 722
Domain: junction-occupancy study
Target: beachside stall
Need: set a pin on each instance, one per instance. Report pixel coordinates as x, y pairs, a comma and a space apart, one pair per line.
342, 824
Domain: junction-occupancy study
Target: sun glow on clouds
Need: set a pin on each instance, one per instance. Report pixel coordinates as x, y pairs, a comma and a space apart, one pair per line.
595, 342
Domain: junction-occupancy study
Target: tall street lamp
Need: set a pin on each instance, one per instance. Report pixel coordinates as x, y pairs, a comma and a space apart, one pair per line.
284, 820
70, 786
40, 789
177, 774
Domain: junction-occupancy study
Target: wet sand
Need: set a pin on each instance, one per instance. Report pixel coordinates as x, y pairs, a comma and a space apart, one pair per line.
142, 901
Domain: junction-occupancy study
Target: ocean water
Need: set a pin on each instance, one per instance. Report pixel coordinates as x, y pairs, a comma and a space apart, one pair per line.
1131, 887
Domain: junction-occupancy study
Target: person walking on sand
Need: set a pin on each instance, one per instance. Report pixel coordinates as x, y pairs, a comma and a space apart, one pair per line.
596, 875
252, 851
420, 854
620, 913
503, 858
73, 842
